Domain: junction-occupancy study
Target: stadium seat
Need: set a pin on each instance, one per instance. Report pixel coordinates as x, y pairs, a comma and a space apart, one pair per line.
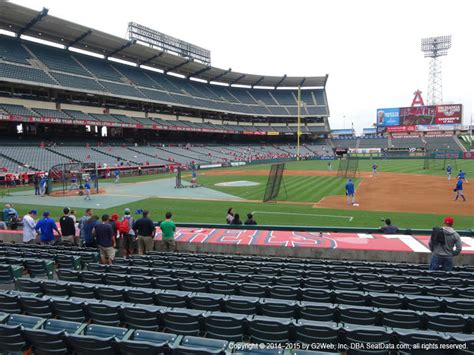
144, 317
191, 345
12, 340
376, 287
165, 283
320, 312
272, 307
401, 319
459, 305
357, 315
309, 332
140, 295
55, 288
182, 321
240, 304
383, 300
224, 287
115, 279
40, 268
110, 293
352, 298
140, 281
411, 337
193, 285
447, 323
100, 340
269, 330
30, 322
235, 278
68, 261
28, 285
365, 335
420, 303
145, 342
91, 277
104, 313
284, 292
440, 291
9, 303
68, 275
82, 290
317, 295
226, 326
51, 338
252, 290
37, 306
171, 298
8, 273
206, 301
69, 310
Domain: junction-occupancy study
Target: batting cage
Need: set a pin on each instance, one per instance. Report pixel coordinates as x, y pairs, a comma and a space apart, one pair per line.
275, 178
440, 159
348, 167
69, 178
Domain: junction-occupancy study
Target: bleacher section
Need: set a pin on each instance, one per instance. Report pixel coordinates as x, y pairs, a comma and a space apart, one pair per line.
70, 70
407, 142
376, 142
198, 303
442, 143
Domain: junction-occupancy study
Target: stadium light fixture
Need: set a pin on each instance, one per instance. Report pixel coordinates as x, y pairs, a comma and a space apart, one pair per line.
434, 48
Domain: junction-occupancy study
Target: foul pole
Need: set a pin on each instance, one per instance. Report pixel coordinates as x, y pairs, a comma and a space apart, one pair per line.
298, 132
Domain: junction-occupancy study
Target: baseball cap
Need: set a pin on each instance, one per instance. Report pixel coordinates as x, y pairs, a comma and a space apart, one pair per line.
114, 217
449, 221
33, 212
126, 211
45, 213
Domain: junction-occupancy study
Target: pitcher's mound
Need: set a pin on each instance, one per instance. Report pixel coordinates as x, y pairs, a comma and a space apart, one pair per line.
238, 183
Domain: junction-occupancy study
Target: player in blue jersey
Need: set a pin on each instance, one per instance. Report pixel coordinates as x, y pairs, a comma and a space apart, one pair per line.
350, 192
374, 169
449, 170
459, 190
462, 176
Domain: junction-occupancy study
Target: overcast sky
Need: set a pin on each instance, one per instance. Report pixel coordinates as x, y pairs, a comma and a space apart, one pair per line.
370, 49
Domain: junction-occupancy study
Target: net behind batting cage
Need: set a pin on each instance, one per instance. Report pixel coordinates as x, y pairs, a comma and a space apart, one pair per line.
274, 182
69, 178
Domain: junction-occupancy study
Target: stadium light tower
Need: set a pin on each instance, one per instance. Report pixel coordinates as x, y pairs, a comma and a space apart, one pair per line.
434, 48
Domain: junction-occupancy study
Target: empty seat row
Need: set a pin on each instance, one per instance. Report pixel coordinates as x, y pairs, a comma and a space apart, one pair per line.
269, 274
260, 260
174, 278
34, 267
147, 287
64, 261
82, 294
53, 248
29, 334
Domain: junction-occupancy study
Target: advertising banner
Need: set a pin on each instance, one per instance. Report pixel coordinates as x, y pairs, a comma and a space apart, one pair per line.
448, 114
401, 129
388, 117
418, 115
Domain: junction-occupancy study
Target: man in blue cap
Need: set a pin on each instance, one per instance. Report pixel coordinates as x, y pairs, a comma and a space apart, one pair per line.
350, 192
46, 226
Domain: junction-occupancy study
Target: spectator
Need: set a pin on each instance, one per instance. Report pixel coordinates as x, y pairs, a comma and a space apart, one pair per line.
230, 215
168, 228
145, 230
128, 238
81, 223
10, 216
88, 227
29, 233
250, 221
389, 228
444, 244
47, 226
42, 185
114, 223
236, 219
87, 188
68, 229
105, 239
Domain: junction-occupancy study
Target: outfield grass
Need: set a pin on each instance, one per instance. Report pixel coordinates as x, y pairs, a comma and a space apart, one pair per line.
298, 188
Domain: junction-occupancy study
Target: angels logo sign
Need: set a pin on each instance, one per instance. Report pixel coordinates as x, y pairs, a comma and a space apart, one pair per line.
448, 114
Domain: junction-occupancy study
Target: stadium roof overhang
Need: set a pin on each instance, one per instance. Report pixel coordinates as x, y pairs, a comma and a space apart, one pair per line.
25, 21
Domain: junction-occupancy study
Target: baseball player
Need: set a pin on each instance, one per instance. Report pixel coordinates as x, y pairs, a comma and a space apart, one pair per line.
74, 184
350, 192
374, 169
449, 171
458, 189
462, 176
87, 187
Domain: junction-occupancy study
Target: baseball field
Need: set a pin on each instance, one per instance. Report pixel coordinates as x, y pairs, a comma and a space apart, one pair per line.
310, 195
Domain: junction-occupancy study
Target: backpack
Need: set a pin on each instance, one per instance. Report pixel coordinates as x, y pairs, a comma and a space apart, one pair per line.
437, 236
124, 226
